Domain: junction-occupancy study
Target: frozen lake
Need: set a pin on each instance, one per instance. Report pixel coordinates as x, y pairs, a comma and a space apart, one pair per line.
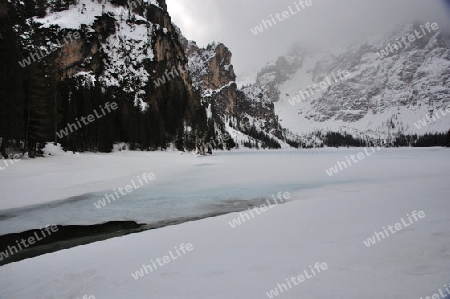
328, 219
224, 182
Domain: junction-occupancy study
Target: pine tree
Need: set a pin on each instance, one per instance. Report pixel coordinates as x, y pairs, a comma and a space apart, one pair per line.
11, 87
37, 109
448, 138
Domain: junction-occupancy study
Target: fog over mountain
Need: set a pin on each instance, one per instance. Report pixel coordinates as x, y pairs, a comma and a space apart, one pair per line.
325, 23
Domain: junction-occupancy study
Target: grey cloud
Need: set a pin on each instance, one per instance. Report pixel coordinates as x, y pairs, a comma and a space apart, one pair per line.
325, 23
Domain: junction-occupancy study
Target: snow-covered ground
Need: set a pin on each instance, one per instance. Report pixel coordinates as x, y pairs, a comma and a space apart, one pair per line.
326, 220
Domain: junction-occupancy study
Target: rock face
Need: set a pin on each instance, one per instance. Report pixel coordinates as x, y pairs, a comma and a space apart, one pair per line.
214, 77
120, 46
129, 52
83, 54
211, 67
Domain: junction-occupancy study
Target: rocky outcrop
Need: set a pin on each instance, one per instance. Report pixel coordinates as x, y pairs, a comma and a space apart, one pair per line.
211, 67
213, 75
276, 73
220, 71
83, 54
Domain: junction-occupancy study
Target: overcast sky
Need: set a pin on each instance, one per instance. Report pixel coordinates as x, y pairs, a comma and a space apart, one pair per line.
324, 23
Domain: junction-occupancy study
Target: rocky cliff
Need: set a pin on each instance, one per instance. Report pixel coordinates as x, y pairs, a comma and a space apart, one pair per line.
127, 52
244, 110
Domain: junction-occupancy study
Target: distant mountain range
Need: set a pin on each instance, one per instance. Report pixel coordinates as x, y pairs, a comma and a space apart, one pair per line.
382, 97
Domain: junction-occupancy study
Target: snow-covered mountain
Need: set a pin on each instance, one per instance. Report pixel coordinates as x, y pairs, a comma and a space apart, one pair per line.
380, 96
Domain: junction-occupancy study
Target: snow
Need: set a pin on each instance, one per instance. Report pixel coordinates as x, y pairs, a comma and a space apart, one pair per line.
119, 147
130, 44
210, 92
51, 149
88, 77
327, 220
247, 79
84, 13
